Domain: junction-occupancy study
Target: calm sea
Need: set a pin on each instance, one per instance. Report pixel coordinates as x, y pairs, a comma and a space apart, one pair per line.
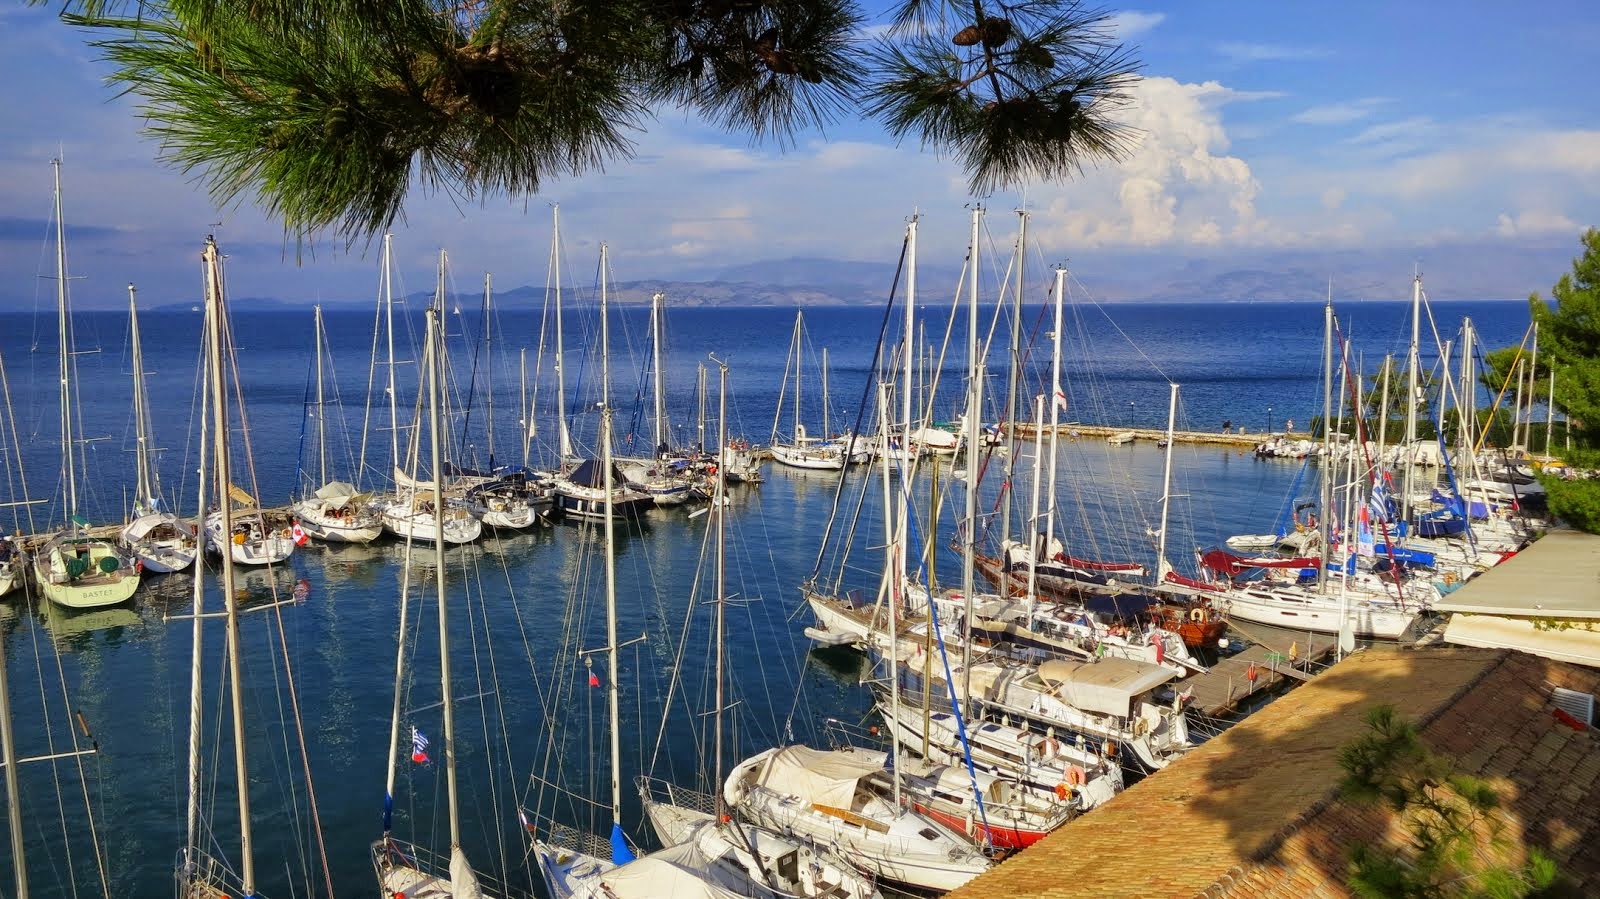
525, 607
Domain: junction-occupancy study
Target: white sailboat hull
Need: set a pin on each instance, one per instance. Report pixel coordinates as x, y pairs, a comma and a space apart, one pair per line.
810, 458
91, 587
1317, 614
161, 542
254, 545
330, 526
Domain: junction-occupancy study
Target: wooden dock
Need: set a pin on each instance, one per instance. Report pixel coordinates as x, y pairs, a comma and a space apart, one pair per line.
1151, 435
1220, 690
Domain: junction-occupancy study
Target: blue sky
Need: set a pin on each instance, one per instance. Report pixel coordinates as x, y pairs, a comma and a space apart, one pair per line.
1266, 127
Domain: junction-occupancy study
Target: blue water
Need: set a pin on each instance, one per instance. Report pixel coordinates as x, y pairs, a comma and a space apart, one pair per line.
524, 606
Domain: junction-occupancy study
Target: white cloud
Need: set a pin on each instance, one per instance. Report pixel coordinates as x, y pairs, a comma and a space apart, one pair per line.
1338, 113
1532, 223
1247, 52
1333, 198
1179, 185
1130, 22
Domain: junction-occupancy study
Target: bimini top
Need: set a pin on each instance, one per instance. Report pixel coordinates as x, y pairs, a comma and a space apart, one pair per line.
817, 776
593, 474
673, 872
1107, 685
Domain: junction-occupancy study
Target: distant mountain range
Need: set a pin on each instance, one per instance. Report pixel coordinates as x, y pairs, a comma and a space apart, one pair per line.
1463, 271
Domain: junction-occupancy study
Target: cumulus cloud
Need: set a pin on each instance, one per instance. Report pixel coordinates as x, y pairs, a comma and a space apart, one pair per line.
1338, 113
1179, 186
1531, 223
1245, 52
1128, 23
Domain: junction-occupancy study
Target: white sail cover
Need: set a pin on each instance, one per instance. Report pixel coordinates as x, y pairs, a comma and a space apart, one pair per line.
820, 777
337, 493
463, 883
679, 872
1108, 685
407, 482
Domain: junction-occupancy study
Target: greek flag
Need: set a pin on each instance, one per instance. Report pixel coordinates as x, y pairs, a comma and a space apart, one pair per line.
1379, 503
419, 743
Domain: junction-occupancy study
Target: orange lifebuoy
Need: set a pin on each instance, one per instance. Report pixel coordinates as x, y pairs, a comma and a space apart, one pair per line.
1077, 776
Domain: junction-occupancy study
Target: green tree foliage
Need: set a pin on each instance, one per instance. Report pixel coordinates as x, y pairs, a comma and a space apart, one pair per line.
325, 112
1444, 812
1569, 343
1575, 502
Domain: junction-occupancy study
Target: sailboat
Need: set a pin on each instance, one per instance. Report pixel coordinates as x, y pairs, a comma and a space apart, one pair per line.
199, 874
773, 865
73, 568
248, 533
160, 540
803, 450
11, 563
598, 489
336, 512
666, 475
423, 510
502, 498
404, 869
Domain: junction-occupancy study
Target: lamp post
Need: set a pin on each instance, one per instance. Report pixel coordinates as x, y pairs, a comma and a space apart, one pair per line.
1130, 412
1269, 421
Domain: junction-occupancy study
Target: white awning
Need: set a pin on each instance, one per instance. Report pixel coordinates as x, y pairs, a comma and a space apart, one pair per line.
672, 873
820, 777
1108, 686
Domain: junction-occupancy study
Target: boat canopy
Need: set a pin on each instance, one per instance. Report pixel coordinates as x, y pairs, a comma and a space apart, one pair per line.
407, 482
1108, 685
592, 474
817, 776
672, 872
339, 493
144, 524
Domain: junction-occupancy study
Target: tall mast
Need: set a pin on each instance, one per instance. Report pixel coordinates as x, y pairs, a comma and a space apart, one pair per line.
657, 327
908, 354
1057, 399
1013, 376
1550, 411
719, 508
893, 577
613, 694
435, 340
322, 422
563, 437
1383, 407
388, 327
64, 321
700, 420
605, 329
191, 845
1468, 400
1033, 510
525, 404
799, 317
1533, 380
973, 437
145, 487
488, 376
1325, 495
826, 431
1166, 489
1414, 362
219, 402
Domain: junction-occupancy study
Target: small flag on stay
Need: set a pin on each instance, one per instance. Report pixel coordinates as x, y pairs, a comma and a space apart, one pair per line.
419, 743
594, 679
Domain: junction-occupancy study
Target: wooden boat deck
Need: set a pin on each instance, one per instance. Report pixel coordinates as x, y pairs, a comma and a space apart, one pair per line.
1226, 685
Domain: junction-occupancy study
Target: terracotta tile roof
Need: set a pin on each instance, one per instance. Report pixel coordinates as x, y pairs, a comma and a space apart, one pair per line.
1254, 812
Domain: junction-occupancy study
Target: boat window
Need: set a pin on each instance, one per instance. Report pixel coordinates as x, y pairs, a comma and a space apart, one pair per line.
928, 834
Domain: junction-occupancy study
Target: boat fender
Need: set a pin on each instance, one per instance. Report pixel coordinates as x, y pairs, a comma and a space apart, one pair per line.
1052, 745
1077, 776
1198, 616
1111, 749
1063, 792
